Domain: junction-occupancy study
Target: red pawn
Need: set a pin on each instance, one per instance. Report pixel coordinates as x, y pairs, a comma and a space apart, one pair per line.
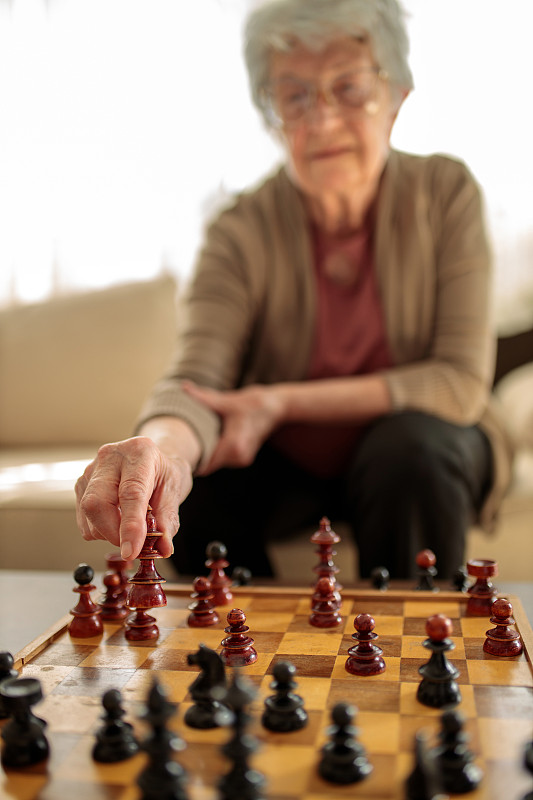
220, 583
364, 658
237, 648
203, 612
325, 606
113, 605
502, 640
483, 592
87, 615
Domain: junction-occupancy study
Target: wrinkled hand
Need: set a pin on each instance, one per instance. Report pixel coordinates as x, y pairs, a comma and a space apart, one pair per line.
248, 415
113, 494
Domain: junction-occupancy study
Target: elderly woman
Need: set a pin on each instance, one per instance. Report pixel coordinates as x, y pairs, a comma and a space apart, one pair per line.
334, 355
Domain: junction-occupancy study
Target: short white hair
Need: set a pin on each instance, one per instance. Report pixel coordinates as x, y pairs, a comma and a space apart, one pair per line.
277, 25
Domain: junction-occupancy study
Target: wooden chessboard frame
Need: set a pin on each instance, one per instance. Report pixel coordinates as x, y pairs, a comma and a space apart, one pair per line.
498, 723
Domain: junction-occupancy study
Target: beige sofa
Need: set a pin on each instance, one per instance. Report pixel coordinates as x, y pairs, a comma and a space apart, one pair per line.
74, 372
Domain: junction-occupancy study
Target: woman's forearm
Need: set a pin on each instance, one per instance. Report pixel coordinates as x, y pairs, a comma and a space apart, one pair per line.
351, 399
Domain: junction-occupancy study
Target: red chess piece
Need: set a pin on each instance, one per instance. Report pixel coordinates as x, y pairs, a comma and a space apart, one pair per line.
87, 615
113, 604
502, 640
483, 592
115, 563
237, 647
220, 583
325, 607
145, 588
364, 658
203, 612
325, 539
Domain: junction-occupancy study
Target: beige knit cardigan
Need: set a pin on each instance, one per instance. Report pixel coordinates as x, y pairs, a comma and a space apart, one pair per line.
248, 313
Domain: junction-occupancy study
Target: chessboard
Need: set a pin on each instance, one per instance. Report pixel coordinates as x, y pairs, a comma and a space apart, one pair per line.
497, 696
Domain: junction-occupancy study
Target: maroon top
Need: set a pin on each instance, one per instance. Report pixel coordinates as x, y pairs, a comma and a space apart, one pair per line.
350, 339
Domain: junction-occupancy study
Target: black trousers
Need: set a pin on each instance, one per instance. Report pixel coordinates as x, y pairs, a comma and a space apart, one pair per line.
414, 482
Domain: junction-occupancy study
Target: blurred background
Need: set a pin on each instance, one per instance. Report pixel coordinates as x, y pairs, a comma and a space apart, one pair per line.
124, 122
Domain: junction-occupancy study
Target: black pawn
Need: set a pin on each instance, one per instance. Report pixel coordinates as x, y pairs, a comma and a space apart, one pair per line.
284, 710
460, 580
423, 782
241, 576
380, 578
163, 776
427, 572
24, 740
115, 740
454, 761
207, 711
343, 758
6, 671
241, 781
438, 687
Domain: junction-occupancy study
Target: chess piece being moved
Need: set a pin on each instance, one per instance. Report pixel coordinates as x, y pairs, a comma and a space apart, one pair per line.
438, 687
325, 605
241, 781
115, 740
458, 774
145, 588
325, 539
163, 776
502, 640
284, 709
6, 671
220, 583
365, 657
25, 742
207, 711
87, 615
237, 647
203, 612
343, 759
427, 571
483, 592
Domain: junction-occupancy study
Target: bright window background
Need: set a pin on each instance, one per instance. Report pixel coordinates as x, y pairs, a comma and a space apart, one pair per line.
123, 121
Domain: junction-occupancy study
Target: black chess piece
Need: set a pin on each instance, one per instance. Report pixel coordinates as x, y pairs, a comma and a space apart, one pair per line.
380, 577
458, 774
241, 576
423, 781
343, 758
6, 671
115, 740
207, 711
25, 742
427, 572
163, 776
241, 781
438, 687
284, 710
460, 579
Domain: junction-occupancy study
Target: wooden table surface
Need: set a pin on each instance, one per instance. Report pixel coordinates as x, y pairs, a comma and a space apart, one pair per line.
31, 601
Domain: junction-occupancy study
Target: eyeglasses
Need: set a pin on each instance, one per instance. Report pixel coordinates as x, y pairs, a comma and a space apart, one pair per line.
287, 100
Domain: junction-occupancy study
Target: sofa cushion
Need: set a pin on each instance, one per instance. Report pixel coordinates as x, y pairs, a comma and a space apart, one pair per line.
77, 369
